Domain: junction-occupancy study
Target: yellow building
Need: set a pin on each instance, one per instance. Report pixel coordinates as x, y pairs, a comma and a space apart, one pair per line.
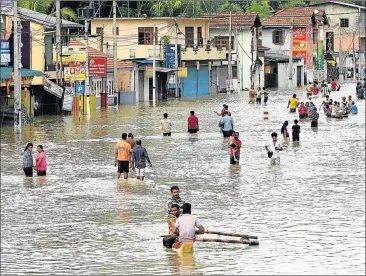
135, 37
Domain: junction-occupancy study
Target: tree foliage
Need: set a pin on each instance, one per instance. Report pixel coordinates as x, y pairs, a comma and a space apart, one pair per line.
293, 4
46, 6
230, 7
261, 7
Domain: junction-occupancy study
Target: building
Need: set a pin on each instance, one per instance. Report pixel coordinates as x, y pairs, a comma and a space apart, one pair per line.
99, 84
294, 32
37, 36
246, 49
348, 22
135, 43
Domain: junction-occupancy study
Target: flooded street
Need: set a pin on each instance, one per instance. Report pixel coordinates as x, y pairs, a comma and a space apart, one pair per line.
308, 213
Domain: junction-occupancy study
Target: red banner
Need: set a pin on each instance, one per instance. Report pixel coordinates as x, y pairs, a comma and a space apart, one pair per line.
299, 44
98, 67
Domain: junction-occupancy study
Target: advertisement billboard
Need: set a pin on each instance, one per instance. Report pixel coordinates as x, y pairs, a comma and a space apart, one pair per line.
74, 73
299, 44
170, 55
320, 58
98, 67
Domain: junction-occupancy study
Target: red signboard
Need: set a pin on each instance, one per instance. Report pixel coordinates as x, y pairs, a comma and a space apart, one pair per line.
98, 67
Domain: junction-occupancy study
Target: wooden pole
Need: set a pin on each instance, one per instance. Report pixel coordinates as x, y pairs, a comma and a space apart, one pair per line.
229, 241
231, 235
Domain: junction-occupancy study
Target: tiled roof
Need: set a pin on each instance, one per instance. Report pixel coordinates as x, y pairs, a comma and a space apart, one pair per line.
238, 19
49, 21
95, 53
301, 17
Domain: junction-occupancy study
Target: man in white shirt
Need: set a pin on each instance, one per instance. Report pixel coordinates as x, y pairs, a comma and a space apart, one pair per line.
273, 148
166, 126
185, 226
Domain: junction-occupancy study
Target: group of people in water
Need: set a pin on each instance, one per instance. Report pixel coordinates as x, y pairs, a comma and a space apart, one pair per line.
181, 224
34, 162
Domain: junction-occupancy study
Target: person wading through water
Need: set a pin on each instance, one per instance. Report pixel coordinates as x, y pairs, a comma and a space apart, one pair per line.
185, 226
139, 158
172, 218
123, 157
28, 160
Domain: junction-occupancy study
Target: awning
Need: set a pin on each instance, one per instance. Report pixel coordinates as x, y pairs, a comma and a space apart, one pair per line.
6, 72
165, 70
277, 57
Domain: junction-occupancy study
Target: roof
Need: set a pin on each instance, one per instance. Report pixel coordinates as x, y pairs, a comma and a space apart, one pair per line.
238, 20
339, 3
40, 18
156, 18
302, 17
6, 72
96, 53
277, 57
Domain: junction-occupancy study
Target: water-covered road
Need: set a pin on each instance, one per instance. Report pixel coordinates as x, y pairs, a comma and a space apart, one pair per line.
308, 213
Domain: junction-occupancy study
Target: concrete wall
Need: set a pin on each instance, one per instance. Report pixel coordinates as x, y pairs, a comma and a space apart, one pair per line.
37, 47
267, 40
283, 75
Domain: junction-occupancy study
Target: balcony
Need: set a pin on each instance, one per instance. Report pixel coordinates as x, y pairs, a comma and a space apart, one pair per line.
205, 53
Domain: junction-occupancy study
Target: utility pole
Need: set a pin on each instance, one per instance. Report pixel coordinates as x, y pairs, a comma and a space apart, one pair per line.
115, 68
360, 23
340, 54
102, 40
290, 65
17, 72
176, 60
230, 68
354, 56
58, 43
154, 67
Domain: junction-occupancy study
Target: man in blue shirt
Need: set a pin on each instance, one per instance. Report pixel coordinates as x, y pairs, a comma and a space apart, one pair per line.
139, 157
354, 108
227, 124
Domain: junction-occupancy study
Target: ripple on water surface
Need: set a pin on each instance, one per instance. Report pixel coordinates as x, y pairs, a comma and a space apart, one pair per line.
309, 212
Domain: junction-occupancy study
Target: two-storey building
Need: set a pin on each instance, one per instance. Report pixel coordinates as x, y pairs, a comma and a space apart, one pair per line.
135, 39
294, 32
246, 49
346, 31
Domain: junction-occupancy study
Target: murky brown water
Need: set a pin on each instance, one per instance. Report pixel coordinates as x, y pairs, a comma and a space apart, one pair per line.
309, 212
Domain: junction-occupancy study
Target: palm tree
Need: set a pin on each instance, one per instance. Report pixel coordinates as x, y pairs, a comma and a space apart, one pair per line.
46, 6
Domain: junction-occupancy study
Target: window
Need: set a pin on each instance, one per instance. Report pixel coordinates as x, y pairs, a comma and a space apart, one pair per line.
189, 36
199, 37
117, 30
110, 87
235, 72
145, 35
223, 42
99, 31
315, 37
278, 37
344, 22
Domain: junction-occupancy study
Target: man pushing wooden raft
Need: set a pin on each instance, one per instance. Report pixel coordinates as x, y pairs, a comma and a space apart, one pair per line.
182, 228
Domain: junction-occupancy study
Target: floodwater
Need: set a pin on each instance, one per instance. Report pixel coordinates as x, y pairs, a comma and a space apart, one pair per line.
308, 213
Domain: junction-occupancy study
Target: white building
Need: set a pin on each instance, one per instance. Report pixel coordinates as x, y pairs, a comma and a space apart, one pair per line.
246, 50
